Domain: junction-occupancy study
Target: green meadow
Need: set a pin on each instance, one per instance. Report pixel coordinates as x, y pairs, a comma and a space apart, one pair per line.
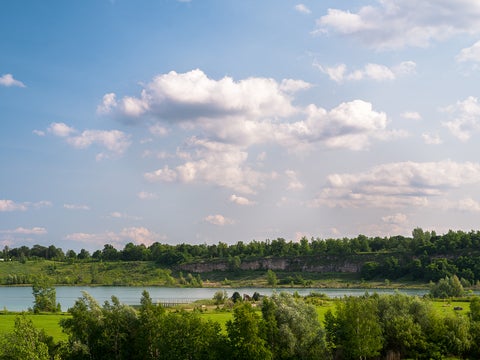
51, 322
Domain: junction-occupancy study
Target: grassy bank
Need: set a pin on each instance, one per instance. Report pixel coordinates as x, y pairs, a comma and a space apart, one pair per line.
147, 273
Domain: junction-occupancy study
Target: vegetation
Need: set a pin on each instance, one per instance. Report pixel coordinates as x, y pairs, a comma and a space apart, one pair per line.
423, 257
283, 326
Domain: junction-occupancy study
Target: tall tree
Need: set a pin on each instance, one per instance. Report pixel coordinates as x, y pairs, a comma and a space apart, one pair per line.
45, 297
355, 329
245, 335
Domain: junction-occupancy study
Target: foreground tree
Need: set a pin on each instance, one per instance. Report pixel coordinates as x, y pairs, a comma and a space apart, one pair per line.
354, 331
245, 335
26, 342
292, 328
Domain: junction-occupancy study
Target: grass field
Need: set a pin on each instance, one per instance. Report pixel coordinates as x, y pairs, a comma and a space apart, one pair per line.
50, 322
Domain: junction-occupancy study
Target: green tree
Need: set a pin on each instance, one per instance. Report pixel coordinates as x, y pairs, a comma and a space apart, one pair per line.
402, 331
447, 287
272, 278
45, 297
355, 331
292, 328
84, 328
245, 335
26, 342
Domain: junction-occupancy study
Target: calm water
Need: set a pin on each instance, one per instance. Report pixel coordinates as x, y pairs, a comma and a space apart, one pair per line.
21, 298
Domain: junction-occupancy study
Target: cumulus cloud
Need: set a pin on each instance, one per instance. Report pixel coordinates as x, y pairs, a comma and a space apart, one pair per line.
109, 102
411, 115
240, 200
293, 182
164, 174
8, 81
158, 130
218, 220
376, 72
394, 24
431, 139
397, 218
471, 53
26, 231
214, 163
145, 195
395, 185
120, 215
466, 118
115, 141
468, 205
61, 129
136, 235
301, 8
76, 207
10, 205
232, 116
192, 95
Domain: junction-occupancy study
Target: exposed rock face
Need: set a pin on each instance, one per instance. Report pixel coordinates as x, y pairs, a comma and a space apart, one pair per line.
307, 264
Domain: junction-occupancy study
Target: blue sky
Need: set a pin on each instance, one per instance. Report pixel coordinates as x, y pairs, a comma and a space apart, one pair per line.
204, 121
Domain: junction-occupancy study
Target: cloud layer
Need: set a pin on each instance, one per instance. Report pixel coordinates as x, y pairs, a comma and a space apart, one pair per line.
396, 185
394, 24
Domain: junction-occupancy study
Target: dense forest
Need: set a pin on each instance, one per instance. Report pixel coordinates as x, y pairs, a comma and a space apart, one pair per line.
425, 256
282, 326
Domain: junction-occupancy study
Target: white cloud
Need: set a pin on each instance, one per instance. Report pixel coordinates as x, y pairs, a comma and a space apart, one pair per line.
120, 215
397, 218
301, 8
376, 72
471, 53
394, 24
293, 182
240, 200
61, 129
192, 95
214, 163
468, 205
144, 195
39, 132
396, 185
115, 141
10, 205
350, 125
158, 130
165, 174
26, 231
292, 86
136, 235
8, 81
431, 139
412, 115
109, 102
218, 220
41, 204
466, 118
76, 207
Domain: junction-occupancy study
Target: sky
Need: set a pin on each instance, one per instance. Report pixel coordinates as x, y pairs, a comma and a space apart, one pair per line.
217, 120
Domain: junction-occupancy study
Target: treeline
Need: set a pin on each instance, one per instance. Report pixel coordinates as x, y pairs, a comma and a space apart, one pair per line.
286, 327
424, 256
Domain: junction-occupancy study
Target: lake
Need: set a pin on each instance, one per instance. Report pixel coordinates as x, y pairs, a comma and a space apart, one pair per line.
21, 298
